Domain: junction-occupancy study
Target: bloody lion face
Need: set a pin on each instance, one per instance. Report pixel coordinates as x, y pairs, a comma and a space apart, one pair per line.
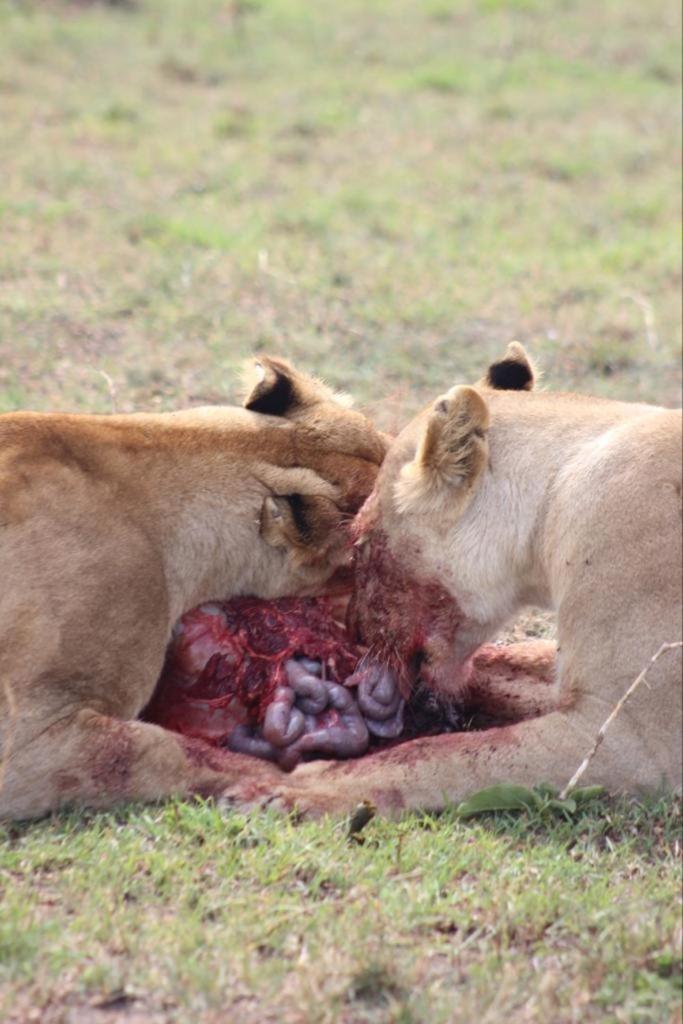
404, 616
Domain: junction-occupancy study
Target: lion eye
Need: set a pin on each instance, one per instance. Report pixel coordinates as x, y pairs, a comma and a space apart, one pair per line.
300, 515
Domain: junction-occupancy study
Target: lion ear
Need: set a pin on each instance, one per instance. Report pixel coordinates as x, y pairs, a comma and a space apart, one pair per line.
269, 386
274, 387
514, 372
451, 453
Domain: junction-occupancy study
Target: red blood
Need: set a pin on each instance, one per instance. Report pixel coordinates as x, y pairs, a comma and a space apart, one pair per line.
397, 612
226, 659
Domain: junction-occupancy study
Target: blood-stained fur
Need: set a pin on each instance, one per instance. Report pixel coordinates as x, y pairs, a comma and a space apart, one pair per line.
495, 497
111, 527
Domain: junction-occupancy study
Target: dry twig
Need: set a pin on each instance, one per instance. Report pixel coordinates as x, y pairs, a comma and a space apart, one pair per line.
645, 307
613, 714
111, 387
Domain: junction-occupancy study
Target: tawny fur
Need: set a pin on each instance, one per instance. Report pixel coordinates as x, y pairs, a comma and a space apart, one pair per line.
576, 508
110, 528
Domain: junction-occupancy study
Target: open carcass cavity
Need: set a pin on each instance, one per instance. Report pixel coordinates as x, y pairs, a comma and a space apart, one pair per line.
282, 680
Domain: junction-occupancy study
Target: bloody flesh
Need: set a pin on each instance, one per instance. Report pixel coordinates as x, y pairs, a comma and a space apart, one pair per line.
237, 674
396, 613
227, 659
230, 668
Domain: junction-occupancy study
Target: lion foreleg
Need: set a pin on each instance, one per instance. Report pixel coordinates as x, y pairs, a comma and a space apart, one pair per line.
437, 771
94, 760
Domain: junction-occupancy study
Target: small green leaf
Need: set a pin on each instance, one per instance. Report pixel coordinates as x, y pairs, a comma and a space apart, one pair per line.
568, 805
545, 789
504, 797
586, 793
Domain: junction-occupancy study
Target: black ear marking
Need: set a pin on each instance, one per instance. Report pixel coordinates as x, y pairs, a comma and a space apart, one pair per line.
274, 396
510, 375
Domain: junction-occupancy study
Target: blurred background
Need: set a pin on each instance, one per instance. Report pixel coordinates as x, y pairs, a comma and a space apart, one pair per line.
386, 191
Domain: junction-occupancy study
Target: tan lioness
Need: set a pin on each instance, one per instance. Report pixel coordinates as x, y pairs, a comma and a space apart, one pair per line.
496, 497
110, 528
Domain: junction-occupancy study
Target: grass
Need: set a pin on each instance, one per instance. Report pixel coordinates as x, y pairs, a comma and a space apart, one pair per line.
386, 191
186, 914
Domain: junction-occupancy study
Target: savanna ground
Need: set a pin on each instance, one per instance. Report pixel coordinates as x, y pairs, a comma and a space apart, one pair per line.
386, 191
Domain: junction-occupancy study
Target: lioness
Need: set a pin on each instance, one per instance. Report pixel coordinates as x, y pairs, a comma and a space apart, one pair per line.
493, 498
110, 528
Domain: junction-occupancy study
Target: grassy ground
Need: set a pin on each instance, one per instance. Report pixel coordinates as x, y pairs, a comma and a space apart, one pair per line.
180, 913
387, 191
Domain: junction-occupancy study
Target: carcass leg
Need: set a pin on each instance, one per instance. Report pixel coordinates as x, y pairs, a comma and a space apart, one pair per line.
514, 681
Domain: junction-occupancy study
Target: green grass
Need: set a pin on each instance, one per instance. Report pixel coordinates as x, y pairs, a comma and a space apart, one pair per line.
193, 915
386, 191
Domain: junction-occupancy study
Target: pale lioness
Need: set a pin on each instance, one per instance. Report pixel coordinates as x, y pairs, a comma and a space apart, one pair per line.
110, 528
496, 497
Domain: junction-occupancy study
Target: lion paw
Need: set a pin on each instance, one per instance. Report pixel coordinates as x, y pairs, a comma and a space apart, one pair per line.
245, 796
